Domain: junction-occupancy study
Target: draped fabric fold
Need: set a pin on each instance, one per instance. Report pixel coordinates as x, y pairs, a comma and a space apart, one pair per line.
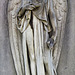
40, 10
33, 21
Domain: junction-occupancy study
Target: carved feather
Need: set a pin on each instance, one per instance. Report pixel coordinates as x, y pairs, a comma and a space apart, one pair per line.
60, 7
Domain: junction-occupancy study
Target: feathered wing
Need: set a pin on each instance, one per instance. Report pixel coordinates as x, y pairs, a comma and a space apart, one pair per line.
15, 36
60, 8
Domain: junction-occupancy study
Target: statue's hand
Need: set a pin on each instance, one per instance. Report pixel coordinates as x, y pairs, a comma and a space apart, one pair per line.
50, 43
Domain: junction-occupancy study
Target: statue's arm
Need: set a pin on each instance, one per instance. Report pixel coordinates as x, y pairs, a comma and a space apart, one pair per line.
53, 19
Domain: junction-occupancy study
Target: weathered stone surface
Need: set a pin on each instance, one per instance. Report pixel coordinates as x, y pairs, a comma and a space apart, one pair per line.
6, 62
67, 59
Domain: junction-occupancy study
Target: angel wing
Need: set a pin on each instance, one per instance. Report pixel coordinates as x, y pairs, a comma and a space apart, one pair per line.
15, 37
60, 7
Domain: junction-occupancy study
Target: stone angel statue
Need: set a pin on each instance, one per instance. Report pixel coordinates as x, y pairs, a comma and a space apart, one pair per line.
36, 31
